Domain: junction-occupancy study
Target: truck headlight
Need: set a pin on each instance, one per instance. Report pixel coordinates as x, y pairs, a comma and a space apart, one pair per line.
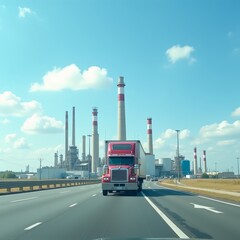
106, 179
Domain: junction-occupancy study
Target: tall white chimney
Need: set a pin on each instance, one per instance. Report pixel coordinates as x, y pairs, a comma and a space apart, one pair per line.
73, 127
149, 135
83, 148
95, 141
121, 110
66, 137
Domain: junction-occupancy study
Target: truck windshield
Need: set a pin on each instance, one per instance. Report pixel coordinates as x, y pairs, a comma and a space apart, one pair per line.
121, 160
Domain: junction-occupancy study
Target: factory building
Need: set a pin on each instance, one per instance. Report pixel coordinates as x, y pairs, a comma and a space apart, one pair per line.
185, 166
163, 167
51, 173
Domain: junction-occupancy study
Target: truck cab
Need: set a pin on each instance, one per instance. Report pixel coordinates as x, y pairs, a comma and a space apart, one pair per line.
121, 170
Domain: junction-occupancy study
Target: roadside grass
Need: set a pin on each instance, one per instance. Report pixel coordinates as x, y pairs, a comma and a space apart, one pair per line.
231, 185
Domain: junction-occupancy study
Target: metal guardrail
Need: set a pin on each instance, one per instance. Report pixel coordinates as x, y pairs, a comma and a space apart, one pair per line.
20, 185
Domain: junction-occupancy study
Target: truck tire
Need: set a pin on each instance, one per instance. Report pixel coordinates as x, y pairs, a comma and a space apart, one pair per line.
104, 192
134, 192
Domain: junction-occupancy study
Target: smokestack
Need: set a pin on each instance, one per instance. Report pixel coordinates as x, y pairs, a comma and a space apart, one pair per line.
66, 136
73, 127
149, 135
95, 141
121, 110
205, 161
55, 159
195, 161
83, 148
61, 160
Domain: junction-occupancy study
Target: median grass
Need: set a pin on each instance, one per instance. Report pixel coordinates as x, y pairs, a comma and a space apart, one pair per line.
230, 185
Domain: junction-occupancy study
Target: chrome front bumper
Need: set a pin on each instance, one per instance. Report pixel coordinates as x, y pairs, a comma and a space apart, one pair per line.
119, 186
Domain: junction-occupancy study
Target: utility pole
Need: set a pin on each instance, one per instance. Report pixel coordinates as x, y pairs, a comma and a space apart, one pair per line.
178, 159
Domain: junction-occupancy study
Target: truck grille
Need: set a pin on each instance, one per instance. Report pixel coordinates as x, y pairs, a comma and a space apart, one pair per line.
119, 175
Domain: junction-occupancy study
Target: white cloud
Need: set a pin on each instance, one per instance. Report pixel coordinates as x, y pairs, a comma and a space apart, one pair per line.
23, 11
42, 124
71, 77
236, 112
169, 133
168, 138
17, 143
226, 142
5, 121
185, 133
10, 137
158, 143
176, 53
11, 105
21, 143
220, 130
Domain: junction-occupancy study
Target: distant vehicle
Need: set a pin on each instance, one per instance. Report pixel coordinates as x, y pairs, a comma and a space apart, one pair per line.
69, 177
126, 167
148, 177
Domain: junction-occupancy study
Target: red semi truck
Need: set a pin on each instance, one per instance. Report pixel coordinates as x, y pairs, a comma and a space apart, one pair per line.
126, 166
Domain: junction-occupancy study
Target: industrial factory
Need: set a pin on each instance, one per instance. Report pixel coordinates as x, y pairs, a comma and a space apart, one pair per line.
88, 165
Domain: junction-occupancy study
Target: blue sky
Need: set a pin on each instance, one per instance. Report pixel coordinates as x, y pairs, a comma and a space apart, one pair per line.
180, 61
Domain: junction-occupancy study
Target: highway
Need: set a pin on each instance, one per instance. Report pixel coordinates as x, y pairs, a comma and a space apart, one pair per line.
83, 213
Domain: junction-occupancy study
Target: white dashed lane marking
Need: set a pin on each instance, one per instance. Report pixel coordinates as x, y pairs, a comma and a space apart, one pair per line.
32, 226
73, 205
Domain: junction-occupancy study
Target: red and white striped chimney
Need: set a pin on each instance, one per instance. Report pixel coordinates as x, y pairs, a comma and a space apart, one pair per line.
121, 110
205, 161
95, 141
195, 161
149, 135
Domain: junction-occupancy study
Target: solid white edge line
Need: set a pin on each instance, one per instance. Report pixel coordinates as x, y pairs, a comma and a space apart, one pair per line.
32, 226
94, 195
73, 205
24, 199
215, 200
172, 225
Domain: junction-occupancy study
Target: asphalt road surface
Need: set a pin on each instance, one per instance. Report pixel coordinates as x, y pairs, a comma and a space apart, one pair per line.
84, 213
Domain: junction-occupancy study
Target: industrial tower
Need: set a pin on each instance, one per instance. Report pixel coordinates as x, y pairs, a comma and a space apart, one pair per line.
95, 141
121, 110
149, 135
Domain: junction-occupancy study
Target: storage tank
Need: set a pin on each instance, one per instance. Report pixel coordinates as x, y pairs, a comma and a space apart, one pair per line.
167, 164
185, 167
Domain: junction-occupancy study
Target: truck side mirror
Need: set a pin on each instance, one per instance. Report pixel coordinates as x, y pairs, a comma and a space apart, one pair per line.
105, 169
136, 167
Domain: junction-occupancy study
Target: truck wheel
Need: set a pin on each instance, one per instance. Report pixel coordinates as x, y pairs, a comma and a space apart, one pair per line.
134, 192
104, 192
